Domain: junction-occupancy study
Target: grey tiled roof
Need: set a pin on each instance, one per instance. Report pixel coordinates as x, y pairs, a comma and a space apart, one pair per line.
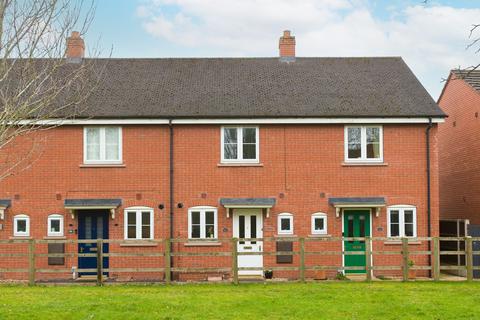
270, 202
258, 87
472, 77
357, 200
71, 203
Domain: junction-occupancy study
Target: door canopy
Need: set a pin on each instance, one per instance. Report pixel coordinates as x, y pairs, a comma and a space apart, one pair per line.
245, 203
357, 202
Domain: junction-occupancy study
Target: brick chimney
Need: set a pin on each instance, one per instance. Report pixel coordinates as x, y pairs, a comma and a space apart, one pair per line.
75, 46
287, 46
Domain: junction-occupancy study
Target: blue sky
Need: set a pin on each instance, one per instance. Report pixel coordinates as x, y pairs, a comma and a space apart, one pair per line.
431, 38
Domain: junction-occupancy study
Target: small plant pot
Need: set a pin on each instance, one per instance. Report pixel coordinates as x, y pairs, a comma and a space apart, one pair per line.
268, 274
320, 275
412, 274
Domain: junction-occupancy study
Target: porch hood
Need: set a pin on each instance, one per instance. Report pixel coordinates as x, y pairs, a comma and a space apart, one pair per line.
238, 203
88, 204
4, 205
357, 202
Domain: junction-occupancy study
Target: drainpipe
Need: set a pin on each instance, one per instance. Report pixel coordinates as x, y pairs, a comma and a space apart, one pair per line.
429, 209
170, 125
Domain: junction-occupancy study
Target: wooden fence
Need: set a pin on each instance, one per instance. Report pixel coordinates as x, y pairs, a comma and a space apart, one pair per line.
163, 249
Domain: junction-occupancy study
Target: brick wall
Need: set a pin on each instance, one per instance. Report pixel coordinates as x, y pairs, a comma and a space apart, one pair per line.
302, 162
459, 149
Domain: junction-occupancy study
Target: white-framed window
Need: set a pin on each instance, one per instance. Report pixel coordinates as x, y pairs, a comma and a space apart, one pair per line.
102, 145
55, 225
138, 223
402, 221
285, 223
319, 223
202, 223
21, 225
240, 144
363, 144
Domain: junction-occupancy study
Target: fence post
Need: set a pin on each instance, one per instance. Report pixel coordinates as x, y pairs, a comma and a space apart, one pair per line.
302, 259
368, 258
235, 260
99, 262
31, 262
436, 259
168, 261
405, 258
469, 258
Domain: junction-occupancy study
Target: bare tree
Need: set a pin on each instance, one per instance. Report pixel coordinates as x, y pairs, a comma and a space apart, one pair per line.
38, 82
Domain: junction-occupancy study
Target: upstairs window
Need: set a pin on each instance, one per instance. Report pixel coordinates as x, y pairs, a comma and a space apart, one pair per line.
402, 221
21, 226
363, 144
319, 223
239, 144
285, 223
202, 223
102, 145
138, 223
55, 225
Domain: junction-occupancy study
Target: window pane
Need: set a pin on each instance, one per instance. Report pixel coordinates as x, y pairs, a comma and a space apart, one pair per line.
145, 232
100, 227
230, 151
319, 224
285, 224
394, 230
362, 226
195, 217
249, 135
209, 217
131, 232
373, 143
394, 216
230, 147
408, 216
54, 225
241, 228
93, 143
88, 227
209, 231
354, 143
409, 229
131, 217
112, 141
146, 218
21, 225
230, 135
195, 231
253, 228
249, 151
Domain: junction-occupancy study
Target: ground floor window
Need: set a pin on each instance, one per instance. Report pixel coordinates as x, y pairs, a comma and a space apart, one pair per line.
55, 225
319, 223
21, 225
138, 223
202, 223
285, 223
402, 221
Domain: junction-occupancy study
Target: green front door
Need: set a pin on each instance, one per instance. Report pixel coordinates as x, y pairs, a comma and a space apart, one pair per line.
356, 223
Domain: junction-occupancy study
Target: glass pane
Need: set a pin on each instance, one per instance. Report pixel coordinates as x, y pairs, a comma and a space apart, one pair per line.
241, 228
131, 217
145, 218
131, 232
100, 227
249, 135
350, 228
88, 227
354, 143
93, 143
394, 230
319, 224
408, 216
285, 224
54, 225
21, 225
230, 151
145, 232
195, 232
195, 217
230, 148
253, 228
209, 217
209, 231
394, 216
409, 229
112, 136
230, 135
373, 143
362, 226
249, 151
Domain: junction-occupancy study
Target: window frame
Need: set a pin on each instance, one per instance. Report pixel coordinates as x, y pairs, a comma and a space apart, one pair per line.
240, 145
51, 217
202, 210
138, 222
401, 220
363, 144
18, 217
102, 146
284, 215
319, 215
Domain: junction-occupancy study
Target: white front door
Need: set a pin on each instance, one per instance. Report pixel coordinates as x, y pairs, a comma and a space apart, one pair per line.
248, 223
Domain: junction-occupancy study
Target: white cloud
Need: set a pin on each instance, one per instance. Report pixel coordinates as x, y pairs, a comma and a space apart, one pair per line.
432, 39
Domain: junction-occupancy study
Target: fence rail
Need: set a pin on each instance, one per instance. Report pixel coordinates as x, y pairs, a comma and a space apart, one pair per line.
163, 249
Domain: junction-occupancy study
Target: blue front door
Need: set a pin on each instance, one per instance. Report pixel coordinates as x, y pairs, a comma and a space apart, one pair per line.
92, 225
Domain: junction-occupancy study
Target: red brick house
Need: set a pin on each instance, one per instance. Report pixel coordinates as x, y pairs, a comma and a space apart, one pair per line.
235, 147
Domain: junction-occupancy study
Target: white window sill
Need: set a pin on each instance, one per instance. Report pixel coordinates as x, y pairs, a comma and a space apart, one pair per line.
202, 243
54, 238
320, 235
285, 236
363, 164
102, 165
138, 243
399, 242
239, 164
20, 238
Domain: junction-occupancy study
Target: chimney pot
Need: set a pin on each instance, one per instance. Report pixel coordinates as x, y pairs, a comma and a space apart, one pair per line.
286, 46
75, 46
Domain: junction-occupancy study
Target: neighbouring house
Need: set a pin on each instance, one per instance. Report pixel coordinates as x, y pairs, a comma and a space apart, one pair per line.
215, 148
459, 149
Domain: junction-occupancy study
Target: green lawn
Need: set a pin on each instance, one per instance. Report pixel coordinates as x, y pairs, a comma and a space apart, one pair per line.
325, 300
